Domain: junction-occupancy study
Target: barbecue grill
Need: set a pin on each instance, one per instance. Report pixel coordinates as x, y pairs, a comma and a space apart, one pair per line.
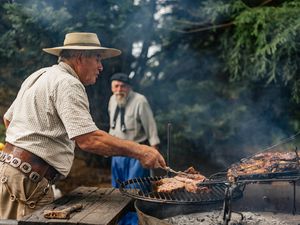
222, 189
143, 189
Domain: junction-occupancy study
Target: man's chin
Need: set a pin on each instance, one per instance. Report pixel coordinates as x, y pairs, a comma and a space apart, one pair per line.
120, 97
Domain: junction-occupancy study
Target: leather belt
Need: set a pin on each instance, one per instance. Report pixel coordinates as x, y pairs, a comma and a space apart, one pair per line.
28, 163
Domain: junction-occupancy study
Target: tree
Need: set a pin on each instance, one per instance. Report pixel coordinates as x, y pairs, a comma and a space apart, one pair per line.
220, 89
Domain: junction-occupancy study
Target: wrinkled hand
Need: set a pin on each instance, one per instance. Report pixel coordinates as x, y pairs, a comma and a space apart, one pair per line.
151, 158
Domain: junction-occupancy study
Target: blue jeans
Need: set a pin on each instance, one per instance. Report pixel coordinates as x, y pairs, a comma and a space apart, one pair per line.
125, 168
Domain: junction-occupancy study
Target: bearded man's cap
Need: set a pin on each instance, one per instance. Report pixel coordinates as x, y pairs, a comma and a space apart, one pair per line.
121, 77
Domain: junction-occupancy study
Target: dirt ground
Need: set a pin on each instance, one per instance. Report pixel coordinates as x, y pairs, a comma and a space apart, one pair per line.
83, 175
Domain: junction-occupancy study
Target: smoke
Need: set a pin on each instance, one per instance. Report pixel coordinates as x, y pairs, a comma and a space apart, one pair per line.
215, 122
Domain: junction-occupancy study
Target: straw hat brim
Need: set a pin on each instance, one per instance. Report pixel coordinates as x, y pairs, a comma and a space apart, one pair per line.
105, 52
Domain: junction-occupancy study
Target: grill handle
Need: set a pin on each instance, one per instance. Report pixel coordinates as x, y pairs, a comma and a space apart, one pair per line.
168, 146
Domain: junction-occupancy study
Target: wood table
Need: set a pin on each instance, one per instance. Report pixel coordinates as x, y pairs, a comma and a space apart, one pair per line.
101, 206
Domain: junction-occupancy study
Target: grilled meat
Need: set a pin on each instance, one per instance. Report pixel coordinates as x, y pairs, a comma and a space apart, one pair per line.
285, 156
168, 185
264, 163
184, 181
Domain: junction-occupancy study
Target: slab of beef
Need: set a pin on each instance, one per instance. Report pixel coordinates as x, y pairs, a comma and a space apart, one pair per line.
187, 180
264, 163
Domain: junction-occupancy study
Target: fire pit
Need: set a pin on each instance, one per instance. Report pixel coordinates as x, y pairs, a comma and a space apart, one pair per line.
214, 218
264, 203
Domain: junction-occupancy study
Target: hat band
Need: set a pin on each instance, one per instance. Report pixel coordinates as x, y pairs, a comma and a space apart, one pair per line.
83, 44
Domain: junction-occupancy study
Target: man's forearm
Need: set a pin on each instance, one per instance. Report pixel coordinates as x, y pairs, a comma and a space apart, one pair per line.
102, 143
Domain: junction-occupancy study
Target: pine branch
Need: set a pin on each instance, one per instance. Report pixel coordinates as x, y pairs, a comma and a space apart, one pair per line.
213, 27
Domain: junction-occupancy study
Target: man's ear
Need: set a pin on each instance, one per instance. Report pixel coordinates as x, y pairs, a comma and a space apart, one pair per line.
79, 59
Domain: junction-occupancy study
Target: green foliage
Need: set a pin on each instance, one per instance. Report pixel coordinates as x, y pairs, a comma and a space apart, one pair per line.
227, 87
2, 133
263, 43
27, 31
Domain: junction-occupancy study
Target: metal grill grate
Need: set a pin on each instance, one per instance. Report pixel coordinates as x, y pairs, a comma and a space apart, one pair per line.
143, 189
293, 175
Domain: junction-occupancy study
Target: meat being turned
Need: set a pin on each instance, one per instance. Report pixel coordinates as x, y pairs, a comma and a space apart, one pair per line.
168, 185
264, 163
187, 180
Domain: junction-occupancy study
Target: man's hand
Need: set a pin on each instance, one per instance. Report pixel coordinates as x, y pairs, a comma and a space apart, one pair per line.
151, 158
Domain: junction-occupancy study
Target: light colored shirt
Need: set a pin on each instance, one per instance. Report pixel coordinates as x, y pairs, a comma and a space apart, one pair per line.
50, 109
139, 120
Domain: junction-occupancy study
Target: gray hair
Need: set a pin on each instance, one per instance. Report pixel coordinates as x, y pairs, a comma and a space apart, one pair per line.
66, 54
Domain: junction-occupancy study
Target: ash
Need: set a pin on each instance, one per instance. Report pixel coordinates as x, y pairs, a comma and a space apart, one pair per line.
216, 218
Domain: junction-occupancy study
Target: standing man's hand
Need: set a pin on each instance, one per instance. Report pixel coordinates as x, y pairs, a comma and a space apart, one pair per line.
151, 158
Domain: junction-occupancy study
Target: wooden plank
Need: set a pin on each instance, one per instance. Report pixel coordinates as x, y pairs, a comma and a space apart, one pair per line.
89, 203
101, 206
107, 211
75, 196
8, 222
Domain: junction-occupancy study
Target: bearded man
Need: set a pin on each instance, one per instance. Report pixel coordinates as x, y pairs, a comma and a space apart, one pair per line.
131, 118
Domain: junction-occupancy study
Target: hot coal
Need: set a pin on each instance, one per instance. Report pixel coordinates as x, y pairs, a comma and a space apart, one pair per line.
250, 218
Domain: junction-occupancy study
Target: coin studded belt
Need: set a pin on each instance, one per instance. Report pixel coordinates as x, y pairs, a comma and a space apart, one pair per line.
28, 163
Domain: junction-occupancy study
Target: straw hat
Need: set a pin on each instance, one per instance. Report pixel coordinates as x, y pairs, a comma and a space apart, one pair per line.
83, 41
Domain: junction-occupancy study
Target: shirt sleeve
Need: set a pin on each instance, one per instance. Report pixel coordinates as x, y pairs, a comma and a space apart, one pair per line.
73, 109
148, 122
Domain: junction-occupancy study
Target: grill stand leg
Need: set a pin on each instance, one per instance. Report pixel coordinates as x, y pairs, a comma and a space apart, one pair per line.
227, 209
294, 199
227, 205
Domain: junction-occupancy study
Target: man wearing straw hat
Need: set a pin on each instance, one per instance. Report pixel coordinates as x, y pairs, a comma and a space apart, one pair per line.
49, 116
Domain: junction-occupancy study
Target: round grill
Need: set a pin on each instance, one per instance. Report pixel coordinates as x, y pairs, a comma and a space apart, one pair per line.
144, 189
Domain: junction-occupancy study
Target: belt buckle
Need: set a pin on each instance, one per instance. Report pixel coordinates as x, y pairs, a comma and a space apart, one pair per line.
8, 158
25, 167
2, 156
34, 177
15, 162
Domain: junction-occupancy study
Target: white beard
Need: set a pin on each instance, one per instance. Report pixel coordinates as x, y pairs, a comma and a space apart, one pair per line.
121, 98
